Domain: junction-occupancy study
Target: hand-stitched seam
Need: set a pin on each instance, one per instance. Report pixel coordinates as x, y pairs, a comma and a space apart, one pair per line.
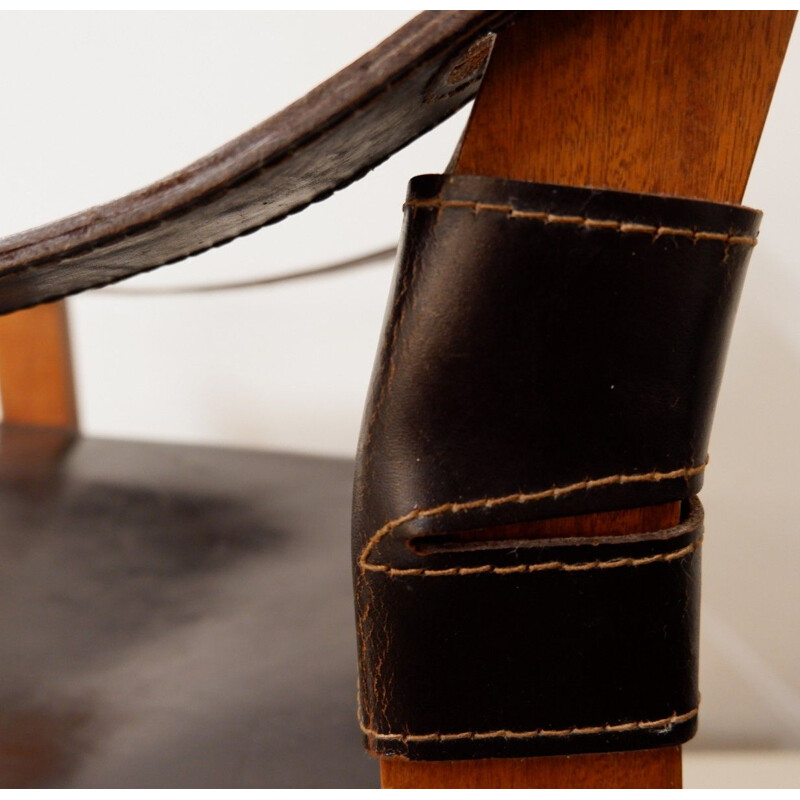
666, 722
655, 231
491, 502
562, 566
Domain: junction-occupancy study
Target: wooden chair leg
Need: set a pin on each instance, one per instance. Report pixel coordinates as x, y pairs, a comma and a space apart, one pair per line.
655, 102
36, 368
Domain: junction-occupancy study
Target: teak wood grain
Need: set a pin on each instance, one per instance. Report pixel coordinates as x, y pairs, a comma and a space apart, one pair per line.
665, 102
660, 768
652, 101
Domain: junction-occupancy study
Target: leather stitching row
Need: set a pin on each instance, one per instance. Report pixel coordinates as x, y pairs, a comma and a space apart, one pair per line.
655, 231
642, 725
491, 502
563, 566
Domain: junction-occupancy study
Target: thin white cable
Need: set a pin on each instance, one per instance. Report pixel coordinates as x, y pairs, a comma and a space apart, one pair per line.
374, 257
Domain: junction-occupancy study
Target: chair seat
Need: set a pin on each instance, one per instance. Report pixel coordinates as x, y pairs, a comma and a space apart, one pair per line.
174, 616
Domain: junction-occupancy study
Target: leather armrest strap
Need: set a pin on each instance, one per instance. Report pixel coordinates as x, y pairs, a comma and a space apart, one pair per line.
413, 80
549, 351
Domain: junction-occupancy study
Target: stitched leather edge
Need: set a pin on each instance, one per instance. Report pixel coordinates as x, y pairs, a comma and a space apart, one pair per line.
587, 222
666, 722
454, 508
549, 566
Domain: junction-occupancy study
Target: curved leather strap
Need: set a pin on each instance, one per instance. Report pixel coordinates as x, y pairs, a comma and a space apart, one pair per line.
408, 84
550, 351
544, 336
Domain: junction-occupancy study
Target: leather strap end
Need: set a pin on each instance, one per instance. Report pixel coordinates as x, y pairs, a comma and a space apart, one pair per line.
539, 648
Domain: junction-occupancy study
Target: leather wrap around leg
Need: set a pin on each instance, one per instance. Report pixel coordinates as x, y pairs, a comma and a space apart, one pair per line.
549, 351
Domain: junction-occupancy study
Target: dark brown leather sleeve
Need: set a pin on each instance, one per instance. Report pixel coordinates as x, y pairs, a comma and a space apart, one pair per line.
549, 351
409, 83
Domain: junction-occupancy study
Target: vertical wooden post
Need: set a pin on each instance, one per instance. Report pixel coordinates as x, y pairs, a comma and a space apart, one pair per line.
665, 102
655, 102
36, 382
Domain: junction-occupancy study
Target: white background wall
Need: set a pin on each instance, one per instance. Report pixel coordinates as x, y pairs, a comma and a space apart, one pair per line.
96, 105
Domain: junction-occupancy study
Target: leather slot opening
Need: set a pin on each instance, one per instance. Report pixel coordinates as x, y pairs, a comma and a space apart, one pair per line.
599, 528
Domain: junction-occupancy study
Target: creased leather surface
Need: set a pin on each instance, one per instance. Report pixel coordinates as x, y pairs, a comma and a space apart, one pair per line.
548, 351
346, 126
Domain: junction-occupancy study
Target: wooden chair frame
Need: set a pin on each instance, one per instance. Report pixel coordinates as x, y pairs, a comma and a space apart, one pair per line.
566, 99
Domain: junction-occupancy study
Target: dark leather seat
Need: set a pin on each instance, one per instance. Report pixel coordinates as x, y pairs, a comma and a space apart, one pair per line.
175, 616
